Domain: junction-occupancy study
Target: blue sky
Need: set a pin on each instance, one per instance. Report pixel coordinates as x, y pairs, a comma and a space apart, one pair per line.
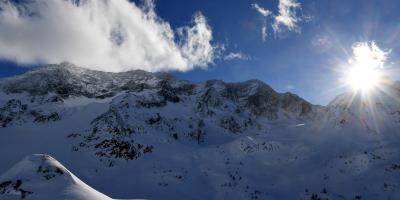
304, 62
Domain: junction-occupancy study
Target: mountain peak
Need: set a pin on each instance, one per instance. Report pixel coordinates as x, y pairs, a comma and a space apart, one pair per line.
37, 163
40, 176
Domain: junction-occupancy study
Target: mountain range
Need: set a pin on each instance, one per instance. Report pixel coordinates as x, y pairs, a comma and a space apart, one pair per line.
147, 135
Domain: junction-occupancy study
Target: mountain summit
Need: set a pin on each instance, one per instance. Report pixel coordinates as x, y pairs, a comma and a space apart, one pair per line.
42, 177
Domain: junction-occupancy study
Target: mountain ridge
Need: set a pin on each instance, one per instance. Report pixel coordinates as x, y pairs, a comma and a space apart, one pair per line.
140, 134
71, 69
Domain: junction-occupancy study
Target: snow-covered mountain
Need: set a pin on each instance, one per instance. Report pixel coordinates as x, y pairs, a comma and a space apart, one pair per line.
40, 176
149, 135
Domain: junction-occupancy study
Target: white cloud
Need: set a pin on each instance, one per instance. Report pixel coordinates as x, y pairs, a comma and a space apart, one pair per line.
286, 19
108, 35
264, 12
264, 33
290, 87
236, 56
287, 16
196, 44
323, 43
368, 54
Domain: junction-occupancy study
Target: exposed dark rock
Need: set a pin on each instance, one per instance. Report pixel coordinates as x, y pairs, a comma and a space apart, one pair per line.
154, 119
39, 117
198, 133
49, 172
11, 111
15, 187
133, 86
168, 92
230, 123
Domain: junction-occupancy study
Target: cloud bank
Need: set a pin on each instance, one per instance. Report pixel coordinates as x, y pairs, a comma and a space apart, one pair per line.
107, 35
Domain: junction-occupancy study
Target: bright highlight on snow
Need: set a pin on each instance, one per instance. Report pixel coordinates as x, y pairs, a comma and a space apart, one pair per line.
365, 68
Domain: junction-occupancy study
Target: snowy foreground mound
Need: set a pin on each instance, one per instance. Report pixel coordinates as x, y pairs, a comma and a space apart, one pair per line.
149, 135
42, 177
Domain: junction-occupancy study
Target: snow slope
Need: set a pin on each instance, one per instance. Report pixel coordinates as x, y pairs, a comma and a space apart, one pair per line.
40, 176
143, 135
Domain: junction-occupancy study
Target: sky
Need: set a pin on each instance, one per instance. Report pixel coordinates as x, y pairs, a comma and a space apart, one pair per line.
298, 46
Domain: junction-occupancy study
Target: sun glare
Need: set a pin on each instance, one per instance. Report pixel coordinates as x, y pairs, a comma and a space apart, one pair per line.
364, 69
363, 78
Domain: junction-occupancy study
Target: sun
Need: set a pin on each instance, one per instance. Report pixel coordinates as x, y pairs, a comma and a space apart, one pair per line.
363, 79
364, 70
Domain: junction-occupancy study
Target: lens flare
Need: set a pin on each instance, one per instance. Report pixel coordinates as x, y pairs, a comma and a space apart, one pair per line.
363, 78
364, 70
